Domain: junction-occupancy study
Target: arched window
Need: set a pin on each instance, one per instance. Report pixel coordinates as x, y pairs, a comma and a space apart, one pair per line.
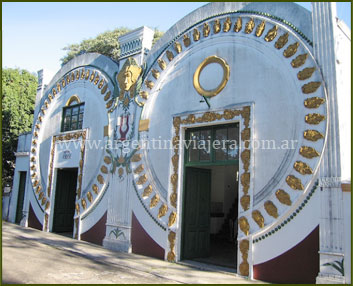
73, 114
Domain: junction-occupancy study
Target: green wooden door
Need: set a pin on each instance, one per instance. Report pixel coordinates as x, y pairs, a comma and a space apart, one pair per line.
20, 197
65, 195
196, 224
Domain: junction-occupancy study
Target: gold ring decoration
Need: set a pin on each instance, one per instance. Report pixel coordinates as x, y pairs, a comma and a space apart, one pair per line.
218, 89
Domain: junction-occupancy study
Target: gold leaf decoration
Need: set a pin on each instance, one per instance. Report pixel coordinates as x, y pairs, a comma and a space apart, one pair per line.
77, 207
47, 205
95, 188
39, 188
89, 197
109, 103
177, 47
271, 209
172, 218
249, 27
299, 60
96, 80
101, 83
294, 183
227, 25
142, 180
216, 26
245, 202
136, 158
308, 152
107, 160
154, 201
291, 50
170, 55
271, 34
313, 102
244, 225
245, 158
41, 195
238, 25
147, 191
306, 73
104, 169
171, 256
245, 134
196, 34
44, 200
149, 84
206, 30
282, 40
100, 179
186, 40
314, 118
162, 64
260, 29
120, 172
244, 268
283, 197
162, 211
173, 199
155, 73
258, 218
245, 182
311, 87
313, 135
84, 204
144, 94
139, 169
302, 168
107, 96
244, 248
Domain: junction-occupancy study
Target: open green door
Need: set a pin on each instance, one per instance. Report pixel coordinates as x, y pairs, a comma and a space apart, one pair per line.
196, 222
65, 195
21, 195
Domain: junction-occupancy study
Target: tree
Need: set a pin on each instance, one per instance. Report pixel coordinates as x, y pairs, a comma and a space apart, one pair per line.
105, 43
18, 98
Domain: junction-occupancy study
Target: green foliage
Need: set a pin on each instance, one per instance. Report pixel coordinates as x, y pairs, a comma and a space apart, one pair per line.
18, 98
105, 43
157, 35
338, 265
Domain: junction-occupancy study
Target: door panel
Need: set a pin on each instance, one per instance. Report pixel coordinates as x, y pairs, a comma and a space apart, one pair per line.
65, 195
21, 195
196, 230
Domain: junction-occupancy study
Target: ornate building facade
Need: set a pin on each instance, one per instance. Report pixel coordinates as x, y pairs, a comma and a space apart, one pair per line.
228, 143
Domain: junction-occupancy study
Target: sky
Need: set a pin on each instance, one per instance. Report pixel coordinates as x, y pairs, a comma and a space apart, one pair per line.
35, 33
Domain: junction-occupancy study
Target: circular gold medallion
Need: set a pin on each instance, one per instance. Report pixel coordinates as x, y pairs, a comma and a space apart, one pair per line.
218, 89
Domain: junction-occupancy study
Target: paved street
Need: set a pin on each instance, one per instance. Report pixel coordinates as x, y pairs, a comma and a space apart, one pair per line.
30, 256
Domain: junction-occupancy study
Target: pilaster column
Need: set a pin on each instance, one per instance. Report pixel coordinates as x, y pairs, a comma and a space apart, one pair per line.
331, 217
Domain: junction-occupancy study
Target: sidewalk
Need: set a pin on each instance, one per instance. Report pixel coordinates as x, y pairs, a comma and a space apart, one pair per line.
32, 256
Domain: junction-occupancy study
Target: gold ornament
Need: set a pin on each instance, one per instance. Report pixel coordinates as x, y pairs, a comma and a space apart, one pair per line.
271, 209
142, 180
177, 47
216, 26
311, 87
170, 55
314, 118
245, 182
291, 50
282, 40
84, 204
313, 102
136, 158
155, 73
206, 30
313, 135
238, 25
147, 191
271, 34
283, 197
260, 29
100, 179
306, 73
186, 40
154, 201
104, 169
302, 168
227, 25
95, 188
249, 27
245, 202
294, 183
162, 64
308, 152
89, 197
144, 94
172, 218
244, 225
258, 218
196, 35
162, 211
244, 268
299, 60
139, 169
149, 84
107, 160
